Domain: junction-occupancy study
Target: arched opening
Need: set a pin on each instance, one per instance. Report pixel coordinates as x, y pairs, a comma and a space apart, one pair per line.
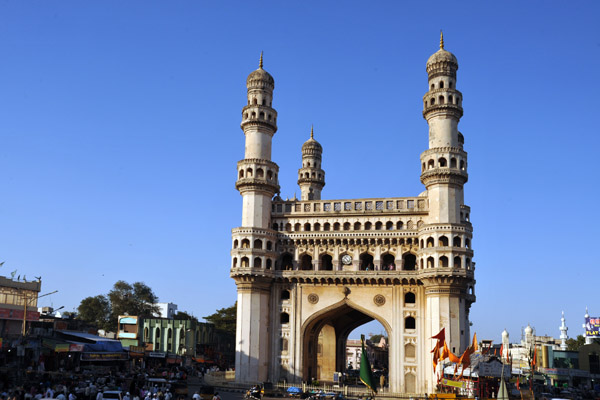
286, 262
453, 162
241, 173
441, 99
285, 295
462, 165
456, 241
368, 226
409, 323
409, 298
170, 340
157, 346
269, 263
317, 226
245, 244
245, 262
296, 227
441, 84
288, 227
235, 244
442, 162
336, 226
409, 262
234, 262
307, 227
388, 262
430, 242
443, 241
269, 174
257, 262
366, 262
146, 335
457, 262
443, 262
306, 263
389, 226
255, 101
410, 383
468, 243
260, 173
258, 244
430, 261
269, 245
357, 226
378, 225
249, 173
327, 262
346, 226
430, 164
331, 342
284, 318
399, 225
275, 226
326, 226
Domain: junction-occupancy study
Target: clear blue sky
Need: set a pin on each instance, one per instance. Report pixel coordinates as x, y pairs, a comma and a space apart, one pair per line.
119, 137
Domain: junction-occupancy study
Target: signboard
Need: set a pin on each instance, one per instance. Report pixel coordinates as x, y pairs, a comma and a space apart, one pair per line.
592, 327
494, 369
61, 348
76, 347
157, 355
456, 384
103, 356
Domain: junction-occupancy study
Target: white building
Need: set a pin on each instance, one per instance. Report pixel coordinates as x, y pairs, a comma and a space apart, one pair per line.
166, 310
309, 271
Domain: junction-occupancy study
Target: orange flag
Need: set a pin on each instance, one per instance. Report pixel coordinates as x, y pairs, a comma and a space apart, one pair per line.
445, 352
474, 344
441, 336
501, 350
436, 354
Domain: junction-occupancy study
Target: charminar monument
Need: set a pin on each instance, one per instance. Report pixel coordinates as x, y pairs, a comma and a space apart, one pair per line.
309, 271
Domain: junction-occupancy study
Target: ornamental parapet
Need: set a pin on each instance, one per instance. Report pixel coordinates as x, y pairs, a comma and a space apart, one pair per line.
357, 207
447, 275
436, 110
256, 185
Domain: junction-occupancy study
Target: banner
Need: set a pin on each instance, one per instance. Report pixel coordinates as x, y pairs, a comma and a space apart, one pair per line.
457, 384
103, 356
592, 327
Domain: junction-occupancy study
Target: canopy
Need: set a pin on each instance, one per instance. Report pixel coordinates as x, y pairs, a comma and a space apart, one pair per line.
294, 389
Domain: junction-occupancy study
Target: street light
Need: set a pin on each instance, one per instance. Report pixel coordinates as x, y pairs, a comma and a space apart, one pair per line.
25, 303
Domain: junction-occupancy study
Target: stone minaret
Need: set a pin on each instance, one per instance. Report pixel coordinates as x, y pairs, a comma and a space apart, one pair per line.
254, 242
311, 178
563, 333
445, 240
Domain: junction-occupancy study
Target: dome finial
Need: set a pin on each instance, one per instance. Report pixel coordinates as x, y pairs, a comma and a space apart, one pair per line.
260, 62
311, 132
441, 39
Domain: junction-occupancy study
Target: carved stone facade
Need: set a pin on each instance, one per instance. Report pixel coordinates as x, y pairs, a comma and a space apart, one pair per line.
313, 267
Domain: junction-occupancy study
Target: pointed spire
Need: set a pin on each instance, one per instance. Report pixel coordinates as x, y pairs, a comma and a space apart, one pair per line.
441, 40
261, 60
311, 132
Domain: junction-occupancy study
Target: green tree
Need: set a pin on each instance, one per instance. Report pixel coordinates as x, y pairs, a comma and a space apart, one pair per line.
375, 339
575, 344
95, 310
126, 299
184, 315
224, 319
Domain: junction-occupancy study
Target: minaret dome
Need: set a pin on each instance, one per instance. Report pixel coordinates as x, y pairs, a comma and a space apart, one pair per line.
311, 178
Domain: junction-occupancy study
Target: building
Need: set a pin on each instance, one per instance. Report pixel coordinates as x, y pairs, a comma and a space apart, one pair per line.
17, 297
312, 267
166, 310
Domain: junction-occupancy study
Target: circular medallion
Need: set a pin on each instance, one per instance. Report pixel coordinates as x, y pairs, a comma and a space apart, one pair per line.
313, 298
346, 259
379, 300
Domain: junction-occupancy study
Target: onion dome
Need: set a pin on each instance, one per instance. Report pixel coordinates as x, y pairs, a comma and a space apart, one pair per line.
311, 145
528, 330
260, 75
504, 334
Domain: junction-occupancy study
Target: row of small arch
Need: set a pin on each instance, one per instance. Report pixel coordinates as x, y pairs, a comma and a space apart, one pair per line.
310, 175
443, 100
357, 226
443, 163
261, 115
255, 102
260, 173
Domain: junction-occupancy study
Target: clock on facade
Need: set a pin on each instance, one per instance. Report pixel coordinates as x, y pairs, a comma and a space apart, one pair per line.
346, 259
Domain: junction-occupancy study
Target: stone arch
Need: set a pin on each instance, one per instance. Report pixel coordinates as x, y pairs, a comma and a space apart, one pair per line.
341, 318
409, 262
326, 262
258, 244
306, 262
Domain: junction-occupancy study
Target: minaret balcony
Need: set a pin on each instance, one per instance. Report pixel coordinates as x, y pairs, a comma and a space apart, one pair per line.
257, 185
444, 175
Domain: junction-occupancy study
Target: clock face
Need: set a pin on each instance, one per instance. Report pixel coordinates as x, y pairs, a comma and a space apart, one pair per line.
346, 259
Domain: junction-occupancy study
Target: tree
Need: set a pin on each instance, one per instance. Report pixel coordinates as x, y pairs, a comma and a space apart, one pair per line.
137, 299
375, 339
184, 315
95, 310
575, 344
224, 319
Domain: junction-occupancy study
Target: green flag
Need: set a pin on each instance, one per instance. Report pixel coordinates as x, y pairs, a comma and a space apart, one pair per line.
366, 376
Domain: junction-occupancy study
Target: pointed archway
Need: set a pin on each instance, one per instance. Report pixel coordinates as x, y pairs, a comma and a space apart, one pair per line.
324, 338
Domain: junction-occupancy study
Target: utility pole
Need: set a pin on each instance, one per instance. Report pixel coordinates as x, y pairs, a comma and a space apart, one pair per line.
25, 301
